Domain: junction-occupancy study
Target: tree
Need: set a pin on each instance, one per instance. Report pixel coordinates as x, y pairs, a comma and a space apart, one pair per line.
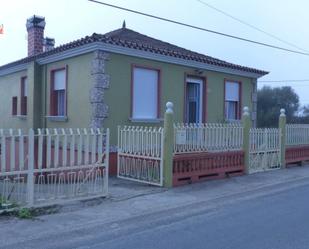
271, 100
305, 110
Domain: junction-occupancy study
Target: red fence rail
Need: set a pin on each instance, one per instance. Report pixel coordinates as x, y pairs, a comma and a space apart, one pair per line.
194, 167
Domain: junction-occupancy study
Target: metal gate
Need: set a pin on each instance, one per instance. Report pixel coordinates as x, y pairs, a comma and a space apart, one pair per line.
140, 154
52, 166
264, 149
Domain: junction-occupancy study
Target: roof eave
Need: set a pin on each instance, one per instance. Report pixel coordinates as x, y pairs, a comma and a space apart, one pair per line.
90, 47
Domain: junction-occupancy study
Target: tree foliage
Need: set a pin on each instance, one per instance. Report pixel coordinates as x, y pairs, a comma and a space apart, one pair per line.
271, 100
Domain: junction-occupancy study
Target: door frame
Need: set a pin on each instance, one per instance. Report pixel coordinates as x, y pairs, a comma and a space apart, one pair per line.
203, 93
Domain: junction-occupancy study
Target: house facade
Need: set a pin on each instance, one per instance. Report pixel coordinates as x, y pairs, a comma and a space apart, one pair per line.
119, 78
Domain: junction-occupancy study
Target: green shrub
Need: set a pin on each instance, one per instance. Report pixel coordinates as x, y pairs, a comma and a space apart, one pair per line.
24, 213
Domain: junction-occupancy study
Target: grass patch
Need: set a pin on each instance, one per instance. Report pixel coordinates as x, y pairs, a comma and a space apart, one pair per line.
24, 213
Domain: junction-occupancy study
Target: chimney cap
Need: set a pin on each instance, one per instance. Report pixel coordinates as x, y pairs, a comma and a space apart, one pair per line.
35, 21
48, 41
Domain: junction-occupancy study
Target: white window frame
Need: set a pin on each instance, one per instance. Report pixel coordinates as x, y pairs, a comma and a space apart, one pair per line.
232, 100
56, 88
200, 82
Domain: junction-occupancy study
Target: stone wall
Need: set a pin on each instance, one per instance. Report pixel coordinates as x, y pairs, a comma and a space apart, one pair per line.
100, 82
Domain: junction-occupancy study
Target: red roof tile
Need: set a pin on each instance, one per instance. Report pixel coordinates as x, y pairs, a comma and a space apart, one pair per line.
131, 39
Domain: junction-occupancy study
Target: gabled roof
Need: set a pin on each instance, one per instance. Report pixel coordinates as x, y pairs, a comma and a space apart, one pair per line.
128, 38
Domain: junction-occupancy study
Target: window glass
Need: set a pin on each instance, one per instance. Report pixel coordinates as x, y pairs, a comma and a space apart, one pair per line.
58, 95
232, 100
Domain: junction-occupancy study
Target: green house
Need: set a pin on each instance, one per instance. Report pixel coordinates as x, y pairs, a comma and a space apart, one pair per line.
119, 78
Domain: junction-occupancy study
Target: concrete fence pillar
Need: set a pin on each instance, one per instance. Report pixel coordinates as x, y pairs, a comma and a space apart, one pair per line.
282, 127
246, 122
168, 146
30, 177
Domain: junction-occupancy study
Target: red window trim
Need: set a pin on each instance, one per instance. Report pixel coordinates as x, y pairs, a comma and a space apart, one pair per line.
52, 107
238, 116
204, 101
23, 98
133, 66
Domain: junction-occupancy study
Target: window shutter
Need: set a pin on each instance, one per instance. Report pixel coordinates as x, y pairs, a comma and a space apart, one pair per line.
232, 91
23, 96
59, 80
23, 105
25, 93
145, 93
58, 83
14, 106
53, 97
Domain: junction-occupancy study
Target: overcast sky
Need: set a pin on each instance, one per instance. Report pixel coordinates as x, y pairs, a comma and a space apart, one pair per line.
67, 20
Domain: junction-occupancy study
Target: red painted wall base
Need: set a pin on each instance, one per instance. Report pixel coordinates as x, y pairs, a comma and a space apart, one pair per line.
195, 167
112, 164
296, 155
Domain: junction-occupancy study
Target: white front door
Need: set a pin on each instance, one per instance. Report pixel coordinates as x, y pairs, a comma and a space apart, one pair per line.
194, 100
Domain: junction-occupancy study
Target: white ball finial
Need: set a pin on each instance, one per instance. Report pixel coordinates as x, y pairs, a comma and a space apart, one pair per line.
246, 110
282, 112
169, 107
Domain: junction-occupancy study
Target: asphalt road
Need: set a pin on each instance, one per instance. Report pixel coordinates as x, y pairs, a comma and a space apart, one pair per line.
278, 221
272, 220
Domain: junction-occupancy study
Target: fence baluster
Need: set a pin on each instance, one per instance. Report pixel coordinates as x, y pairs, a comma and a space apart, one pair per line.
12, 150
3, 151
64, 147
40, 149
56, 149
72, 147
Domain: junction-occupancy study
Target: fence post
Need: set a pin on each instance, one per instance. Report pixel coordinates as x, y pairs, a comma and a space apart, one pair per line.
168, 146
107, 134
30, 176
282, 127
246, 122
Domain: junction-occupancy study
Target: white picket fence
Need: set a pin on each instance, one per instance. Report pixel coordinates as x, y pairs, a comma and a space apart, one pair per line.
297, 134
53, 165
140, 154
207, 137
264, 149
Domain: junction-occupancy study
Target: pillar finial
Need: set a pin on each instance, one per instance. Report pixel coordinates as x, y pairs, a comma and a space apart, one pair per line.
246, 111
169, 107
282, 112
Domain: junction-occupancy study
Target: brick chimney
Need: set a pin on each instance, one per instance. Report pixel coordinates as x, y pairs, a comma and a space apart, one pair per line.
48, 44
35, 28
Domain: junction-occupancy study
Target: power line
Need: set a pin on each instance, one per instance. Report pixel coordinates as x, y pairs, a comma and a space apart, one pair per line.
293, 86
200, 28
251, 26
279, 81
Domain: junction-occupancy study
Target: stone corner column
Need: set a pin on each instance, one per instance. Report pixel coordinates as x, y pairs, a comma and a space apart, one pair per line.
100, 82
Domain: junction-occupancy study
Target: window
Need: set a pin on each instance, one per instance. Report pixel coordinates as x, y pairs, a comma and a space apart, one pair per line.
145, 92
232, 100
58, 93
23, 95
194, 100
14, 105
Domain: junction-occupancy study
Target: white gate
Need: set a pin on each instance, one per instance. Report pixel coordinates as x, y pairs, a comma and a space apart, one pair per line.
52, 166
140, 154
264, 149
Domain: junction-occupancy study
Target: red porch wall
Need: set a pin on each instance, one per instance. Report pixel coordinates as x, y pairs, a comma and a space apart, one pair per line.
296, 154
195, 167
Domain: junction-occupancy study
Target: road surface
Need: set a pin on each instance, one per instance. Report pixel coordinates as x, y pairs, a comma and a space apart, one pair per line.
273, 219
